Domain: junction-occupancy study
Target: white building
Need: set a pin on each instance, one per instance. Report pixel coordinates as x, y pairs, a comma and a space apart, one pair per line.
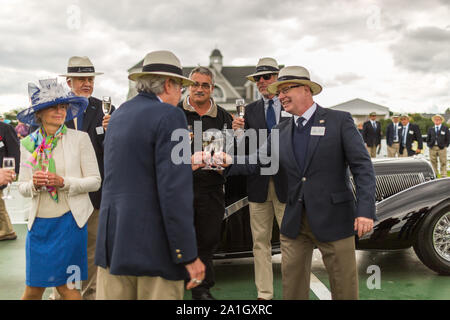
360, 109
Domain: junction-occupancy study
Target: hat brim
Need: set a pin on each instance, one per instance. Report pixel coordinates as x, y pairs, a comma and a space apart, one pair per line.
315, 87
250, 77
89, 74
136, 75
440, 117
76, 107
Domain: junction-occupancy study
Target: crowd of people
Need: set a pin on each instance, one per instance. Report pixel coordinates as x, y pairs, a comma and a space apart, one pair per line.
404, 139
108, 198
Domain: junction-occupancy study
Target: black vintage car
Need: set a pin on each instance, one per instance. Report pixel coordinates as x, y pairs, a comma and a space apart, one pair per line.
412, 206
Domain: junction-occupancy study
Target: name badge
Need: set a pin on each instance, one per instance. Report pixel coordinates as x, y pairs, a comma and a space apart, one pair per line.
99, 130
285, 114
2, 144
443, 133
411, 132
317, 131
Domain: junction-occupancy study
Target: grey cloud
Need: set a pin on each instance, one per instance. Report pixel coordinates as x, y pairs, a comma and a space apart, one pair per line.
424, 50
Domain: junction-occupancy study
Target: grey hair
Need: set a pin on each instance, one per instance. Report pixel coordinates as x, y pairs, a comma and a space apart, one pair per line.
203, 70
151, 84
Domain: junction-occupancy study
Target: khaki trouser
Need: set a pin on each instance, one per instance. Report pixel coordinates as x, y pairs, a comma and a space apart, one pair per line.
261, 222
88, 286
394, 150
112, 287
6, 227
436, 153
372, 151
338, 257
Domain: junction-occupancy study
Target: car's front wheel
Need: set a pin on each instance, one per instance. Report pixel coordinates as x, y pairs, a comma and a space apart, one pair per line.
433, 241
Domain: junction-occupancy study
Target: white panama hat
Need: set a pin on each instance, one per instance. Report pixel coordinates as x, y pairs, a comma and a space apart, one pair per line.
80, 67
295, 74
264, 66
163, 63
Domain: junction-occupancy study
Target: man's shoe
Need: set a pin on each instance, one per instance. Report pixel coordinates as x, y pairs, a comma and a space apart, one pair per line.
11, 236
206, 295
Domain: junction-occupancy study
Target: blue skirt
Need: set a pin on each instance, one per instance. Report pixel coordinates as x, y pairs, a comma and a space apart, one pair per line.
56, 251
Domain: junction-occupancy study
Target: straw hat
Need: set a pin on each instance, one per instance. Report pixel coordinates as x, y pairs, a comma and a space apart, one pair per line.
80, 67
264, 66
404, 115
295, 74
438, 116
49, 94
163, 63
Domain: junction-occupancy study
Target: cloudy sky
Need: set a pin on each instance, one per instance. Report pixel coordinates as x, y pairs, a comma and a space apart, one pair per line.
395, 53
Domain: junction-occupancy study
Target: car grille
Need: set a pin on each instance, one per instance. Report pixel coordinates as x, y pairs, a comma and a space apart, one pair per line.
390, 184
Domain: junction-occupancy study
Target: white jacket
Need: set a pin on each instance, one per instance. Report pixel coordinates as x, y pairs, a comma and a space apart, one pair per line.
82, 176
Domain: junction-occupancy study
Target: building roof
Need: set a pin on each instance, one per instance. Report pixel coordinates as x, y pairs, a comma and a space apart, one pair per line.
361, 107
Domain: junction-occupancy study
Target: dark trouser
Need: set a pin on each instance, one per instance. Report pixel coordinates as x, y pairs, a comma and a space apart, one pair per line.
209, 209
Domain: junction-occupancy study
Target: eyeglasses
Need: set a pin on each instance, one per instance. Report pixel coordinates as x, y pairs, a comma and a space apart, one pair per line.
266, 76
204, 85
286, 89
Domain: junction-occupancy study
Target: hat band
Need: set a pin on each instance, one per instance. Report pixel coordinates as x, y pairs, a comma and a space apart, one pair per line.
284, 78
161, 67
266, 68
80, 69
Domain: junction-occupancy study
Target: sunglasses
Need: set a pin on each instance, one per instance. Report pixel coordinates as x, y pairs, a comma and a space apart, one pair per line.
266, 76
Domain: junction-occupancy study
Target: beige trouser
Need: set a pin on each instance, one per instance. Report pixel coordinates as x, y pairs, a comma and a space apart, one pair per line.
261, 222
436, 153
6, 227
404, 153
88, 286
112, 287
393, 151
338, 257
372, 151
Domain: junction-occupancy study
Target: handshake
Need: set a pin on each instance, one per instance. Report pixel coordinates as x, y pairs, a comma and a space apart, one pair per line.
210, 160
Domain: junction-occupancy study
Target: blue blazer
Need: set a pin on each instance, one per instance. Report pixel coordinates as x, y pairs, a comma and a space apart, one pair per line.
146, 225
258, 185
323, 189
390, 134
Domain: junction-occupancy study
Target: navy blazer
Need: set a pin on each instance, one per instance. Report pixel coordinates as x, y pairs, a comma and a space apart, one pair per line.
324, 187
413, 134
371, 136
9, 145
258, 185
146, 222
443, 138
92, 124
390, 133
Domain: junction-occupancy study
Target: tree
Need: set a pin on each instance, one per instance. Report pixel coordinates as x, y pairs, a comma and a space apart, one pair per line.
12, 115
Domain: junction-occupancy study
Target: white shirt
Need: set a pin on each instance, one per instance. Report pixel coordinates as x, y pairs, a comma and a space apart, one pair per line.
307, 115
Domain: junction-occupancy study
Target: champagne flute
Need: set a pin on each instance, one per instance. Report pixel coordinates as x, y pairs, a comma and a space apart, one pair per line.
43, 161
240, 107
106, 105
8, 164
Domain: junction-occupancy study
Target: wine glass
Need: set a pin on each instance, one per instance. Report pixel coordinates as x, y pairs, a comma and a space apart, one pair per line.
106, 105
43, 164
8, 164
240, 107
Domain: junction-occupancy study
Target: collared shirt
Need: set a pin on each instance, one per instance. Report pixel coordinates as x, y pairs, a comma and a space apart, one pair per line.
307, 115
276, 107
374, 124
395, 131
405, 133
